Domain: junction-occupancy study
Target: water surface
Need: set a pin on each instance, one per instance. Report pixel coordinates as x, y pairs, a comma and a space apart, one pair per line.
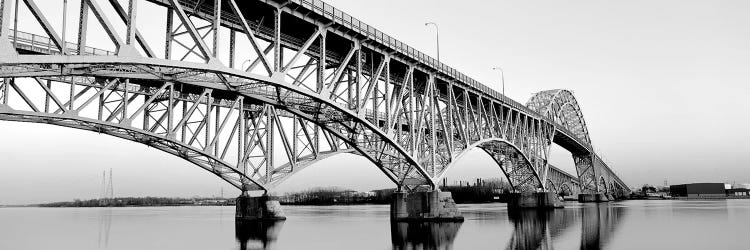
618, 225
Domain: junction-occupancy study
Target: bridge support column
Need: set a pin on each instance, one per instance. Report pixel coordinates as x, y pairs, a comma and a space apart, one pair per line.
263, 208
538, 200
597, 197
424, 206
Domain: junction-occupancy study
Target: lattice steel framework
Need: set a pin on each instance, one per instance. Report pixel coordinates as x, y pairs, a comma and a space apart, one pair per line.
295, 82
562, 107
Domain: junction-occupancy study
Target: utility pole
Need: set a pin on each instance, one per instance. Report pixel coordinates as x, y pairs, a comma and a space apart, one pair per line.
111, 186
103, 190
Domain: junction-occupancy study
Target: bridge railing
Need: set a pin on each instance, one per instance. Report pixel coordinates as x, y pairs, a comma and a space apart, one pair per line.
45, 45
340, 17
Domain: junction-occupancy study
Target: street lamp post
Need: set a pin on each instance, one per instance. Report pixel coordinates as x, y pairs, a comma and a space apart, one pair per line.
437, 38
502, 77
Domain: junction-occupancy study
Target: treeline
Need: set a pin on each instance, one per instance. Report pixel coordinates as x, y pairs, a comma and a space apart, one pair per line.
141, 201
335, 196
481, 191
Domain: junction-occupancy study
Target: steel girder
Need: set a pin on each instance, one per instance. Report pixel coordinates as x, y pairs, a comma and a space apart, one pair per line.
205, 120
562, 107
351, 89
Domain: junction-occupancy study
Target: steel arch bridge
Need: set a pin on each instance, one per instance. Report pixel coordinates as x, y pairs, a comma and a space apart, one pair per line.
255, 91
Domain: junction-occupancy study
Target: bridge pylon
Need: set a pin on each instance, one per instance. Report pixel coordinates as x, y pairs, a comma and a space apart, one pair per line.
433, 205
260, 208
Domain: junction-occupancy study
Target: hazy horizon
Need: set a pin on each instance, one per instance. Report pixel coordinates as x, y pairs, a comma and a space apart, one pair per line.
662, 85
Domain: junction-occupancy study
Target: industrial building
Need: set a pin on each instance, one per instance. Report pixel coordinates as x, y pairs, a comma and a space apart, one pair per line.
699, 190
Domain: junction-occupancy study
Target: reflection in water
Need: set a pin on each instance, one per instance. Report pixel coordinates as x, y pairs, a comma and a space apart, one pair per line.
257, 234
105, 224
598, 224
534, 229
651, 224
423, 235
530, 229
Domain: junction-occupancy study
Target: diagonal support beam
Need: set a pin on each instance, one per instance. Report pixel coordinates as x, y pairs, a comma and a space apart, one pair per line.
108, 27
49, 93
190, 111
138, 37
191, 29
45, 25
150, 100
224, 122
251, 36
302, 50
23, 96
373, 81
333, 86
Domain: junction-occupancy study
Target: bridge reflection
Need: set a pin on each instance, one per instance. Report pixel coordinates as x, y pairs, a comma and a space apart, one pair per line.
532, 229
535, 229
423, 235
257, 234
599, 223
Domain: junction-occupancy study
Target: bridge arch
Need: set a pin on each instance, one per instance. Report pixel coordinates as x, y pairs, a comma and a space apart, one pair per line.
218, 167
514, 164
561, 106
339, 122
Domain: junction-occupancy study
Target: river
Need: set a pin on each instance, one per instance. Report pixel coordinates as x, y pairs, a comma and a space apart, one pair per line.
657, 224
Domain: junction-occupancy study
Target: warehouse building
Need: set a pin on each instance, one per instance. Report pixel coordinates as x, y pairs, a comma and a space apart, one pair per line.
699, 190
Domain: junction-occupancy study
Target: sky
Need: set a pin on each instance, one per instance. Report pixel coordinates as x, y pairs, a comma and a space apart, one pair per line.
662, 85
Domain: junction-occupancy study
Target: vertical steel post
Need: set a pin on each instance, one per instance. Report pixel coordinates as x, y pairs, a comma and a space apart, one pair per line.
64, 45
387, 94
412, 142
15, 20
46, 97
241, 137
124, 100
169, 35
5, 90
358, 77
131, 25
216, 25
320, 83
217, 126
269, 143
232, 41
277, 49
433, 139
4, 11
170, 110
375, 82
183, 130
450, 116
83, 27
209, 107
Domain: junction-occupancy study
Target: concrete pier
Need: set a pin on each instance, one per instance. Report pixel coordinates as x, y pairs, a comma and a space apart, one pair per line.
539, 200
432, 206
598, 197
263, 208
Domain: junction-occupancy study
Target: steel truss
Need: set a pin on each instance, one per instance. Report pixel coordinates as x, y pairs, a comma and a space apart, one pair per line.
562, 107
318, 86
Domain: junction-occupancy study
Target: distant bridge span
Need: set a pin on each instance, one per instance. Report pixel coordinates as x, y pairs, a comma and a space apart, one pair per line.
294, 82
